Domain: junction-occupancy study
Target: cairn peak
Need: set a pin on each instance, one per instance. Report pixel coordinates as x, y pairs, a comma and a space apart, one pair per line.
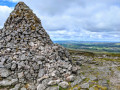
22, 21
23, 15
21, 5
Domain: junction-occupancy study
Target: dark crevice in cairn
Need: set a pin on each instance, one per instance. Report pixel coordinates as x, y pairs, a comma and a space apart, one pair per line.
27, 53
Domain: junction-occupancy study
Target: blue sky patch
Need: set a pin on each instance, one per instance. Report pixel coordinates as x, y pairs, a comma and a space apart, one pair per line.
7, 3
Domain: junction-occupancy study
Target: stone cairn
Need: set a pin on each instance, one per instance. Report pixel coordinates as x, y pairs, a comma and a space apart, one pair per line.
27, 53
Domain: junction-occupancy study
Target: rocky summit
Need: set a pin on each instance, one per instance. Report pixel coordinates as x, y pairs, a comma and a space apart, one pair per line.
28, 57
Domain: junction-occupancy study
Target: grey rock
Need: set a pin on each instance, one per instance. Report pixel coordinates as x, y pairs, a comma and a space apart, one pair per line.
41, 58
21, 65
31, 86
31, 44
13, 67
23, 57
39, 62
74, 69
54, 82
45, 81
103, 83
22, 80
53, 88
64, 64
82, 77
41, 72
85, 85
70, 78
78, 80
78, 63
17, 87
76, 88
53, 74
23, 88
8, 66
91, 88
92, 77
1, 65
8, 82
4, 72
36, 67
52, 57
63, 84
20, 75
2, 60
41, 87
42, 78
55, 47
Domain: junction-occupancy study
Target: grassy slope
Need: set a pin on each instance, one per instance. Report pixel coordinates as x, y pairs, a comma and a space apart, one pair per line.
96, 55
90, 53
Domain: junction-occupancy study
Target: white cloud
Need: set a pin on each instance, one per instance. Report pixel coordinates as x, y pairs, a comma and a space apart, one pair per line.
4, 13
12, 0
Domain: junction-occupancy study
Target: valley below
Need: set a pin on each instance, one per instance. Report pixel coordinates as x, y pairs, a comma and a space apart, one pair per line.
92, 46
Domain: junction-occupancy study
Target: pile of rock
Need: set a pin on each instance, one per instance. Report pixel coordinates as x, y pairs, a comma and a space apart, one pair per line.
27, 53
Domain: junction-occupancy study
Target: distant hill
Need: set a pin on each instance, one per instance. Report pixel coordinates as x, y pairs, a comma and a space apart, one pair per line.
92, 46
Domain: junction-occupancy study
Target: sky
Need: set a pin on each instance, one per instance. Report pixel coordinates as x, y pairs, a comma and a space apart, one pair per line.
80, 20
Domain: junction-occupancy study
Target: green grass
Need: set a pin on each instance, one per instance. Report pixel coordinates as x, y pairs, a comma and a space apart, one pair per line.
92, 54
108, 56
117, 44
106, 59
60, 88
78, 52
118, 68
